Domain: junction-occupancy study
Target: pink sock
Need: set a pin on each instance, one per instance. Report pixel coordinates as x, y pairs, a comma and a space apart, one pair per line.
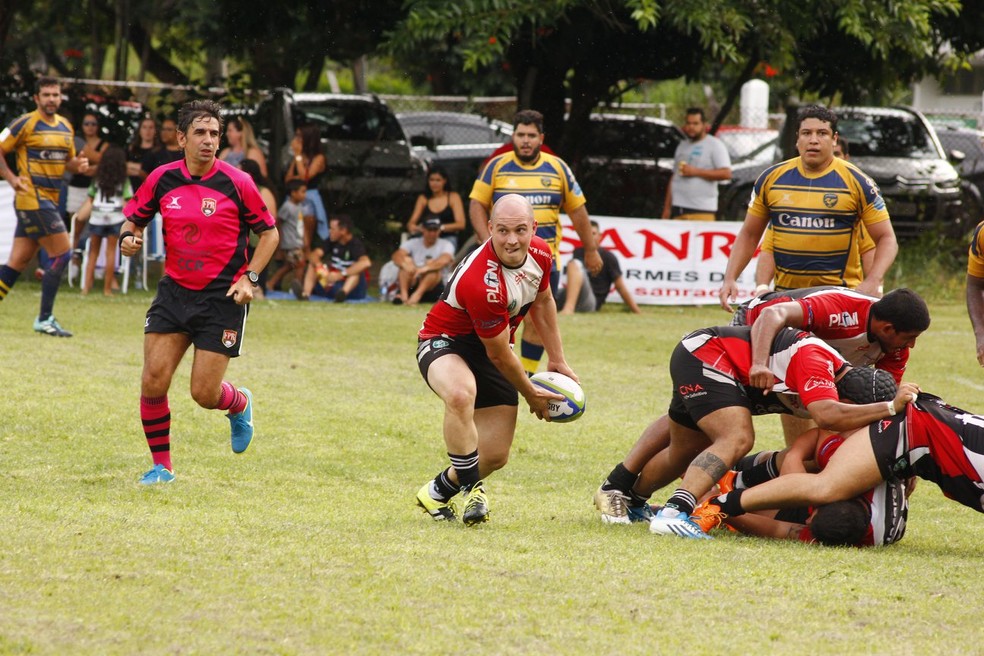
231, 399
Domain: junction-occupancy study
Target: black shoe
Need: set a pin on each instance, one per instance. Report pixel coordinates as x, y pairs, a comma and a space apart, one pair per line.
397, 301
340, 297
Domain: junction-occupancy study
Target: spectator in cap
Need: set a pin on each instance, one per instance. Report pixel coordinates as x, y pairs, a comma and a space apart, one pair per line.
423, 265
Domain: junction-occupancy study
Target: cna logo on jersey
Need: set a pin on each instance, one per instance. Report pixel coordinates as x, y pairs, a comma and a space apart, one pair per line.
843, 320
691, 390
491, 281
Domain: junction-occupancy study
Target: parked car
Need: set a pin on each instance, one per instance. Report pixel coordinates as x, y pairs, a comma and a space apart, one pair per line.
965, 148
459, 142
371, 170
626, 164
898, 148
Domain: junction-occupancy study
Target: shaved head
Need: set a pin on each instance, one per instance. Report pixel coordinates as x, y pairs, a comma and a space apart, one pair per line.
512, 205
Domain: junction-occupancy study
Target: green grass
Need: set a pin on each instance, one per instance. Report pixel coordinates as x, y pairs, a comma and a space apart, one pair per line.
310, 543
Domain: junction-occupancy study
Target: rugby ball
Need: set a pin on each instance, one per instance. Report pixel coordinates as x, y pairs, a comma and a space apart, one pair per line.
572, 407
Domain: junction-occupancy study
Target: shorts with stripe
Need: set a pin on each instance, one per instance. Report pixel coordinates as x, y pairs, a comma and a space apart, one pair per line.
212, 320
491, 386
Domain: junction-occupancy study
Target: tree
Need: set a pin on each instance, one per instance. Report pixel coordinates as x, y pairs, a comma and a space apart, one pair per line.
583, 49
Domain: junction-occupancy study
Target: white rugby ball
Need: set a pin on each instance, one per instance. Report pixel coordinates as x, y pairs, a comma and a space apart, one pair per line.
572, 407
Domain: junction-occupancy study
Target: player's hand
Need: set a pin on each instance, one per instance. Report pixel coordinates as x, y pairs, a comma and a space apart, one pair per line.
131, 245
870, 287
907, 393
241, 291
563, 368
20, 183
592, 261
761, 376
540, 402
728, 293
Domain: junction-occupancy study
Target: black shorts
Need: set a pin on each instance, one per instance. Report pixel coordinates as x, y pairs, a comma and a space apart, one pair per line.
891, 447
699, 390
36, 224
213, 320
491, 386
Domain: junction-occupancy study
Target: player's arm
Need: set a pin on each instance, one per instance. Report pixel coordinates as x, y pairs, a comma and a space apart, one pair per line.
623, 291
131, 238
764, 526
241, 289
886, 248
741, 254
802, 450
582, 226
768, 324
507, 362
838, 416
478, 213
18, 182
975, 308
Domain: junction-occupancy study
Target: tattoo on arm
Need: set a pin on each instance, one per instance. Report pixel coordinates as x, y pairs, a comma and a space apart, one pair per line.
711, 465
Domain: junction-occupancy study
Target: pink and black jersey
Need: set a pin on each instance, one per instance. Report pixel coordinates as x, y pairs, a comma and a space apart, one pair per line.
206, 221
942, 444
802, 364
838, 316
484, 297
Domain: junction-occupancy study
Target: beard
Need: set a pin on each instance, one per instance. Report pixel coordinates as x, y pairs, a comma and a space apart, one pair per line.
526, 159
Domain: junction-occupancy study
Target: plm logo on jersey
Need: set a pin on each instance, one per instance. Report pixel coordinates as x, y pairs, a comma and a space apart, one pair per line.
844, 319
208, 206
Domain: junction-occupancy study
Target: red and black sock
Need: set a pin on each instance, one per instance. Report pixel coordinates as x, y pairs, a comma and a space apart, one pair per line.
155, 413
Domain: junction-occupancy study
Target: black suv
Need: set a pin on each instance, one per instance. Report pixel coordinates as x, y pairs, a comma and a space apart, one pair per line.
627, 163
899, 150
371, 168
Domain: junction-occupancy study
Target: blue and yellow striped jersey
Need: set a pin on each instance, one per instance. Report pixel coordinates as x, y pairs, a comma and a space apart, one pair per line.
975, 256
548, 184
43, 149
814, 220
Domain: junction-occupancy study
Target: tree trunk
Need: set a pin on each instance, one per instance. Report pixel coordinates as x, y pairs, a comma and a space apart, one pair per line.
157, 64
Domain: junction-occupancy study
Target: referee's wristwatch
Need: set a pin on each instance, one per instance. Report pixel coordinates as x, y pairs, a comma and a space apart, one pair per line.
253, 276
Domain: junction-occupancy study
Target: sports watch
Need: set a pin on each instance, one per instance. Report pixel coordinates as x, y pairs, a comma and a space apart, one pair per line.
253, 276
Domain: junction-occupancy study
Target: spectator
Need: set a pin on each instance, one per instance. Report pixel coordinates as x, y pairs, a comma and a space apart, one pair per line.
103, 210
423, 265
580, 297
292, 217
309, 164
700, 163
242, 145
169, 150
93, 148
45, 147
146, 140
439, 201
344, 276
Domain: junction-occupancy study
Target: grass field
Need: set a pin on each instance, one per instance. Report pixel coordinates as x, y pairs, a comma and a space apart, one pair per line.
310, 543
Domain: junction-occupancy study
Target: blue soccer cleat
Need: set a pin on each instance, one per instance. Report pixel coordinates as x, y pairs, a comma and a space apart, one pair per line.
242, 424
159, 474
50, 326
680, 525
643, 513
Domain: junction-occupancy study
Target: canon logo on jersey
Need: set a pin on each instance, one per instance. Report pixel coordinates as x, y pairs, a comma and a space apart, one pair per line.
793, 221
843, 319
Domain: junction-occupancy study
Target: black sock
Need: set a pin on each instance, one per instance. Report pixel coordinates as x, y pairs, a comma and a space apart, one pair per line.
636, 499
50, 282
760, 473
731, 503
444, 486
683, 501
466, 466
747, 462
620, 479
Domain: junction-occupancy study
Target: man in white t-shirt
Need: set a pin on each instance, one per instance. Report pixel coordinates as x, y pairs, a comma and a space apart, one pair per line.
699, 164
423, 265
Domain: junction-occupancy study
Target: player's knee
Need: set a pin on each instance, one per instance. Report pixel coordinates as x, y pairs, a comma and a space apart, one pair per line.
206, 398
460, 400
494, 461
